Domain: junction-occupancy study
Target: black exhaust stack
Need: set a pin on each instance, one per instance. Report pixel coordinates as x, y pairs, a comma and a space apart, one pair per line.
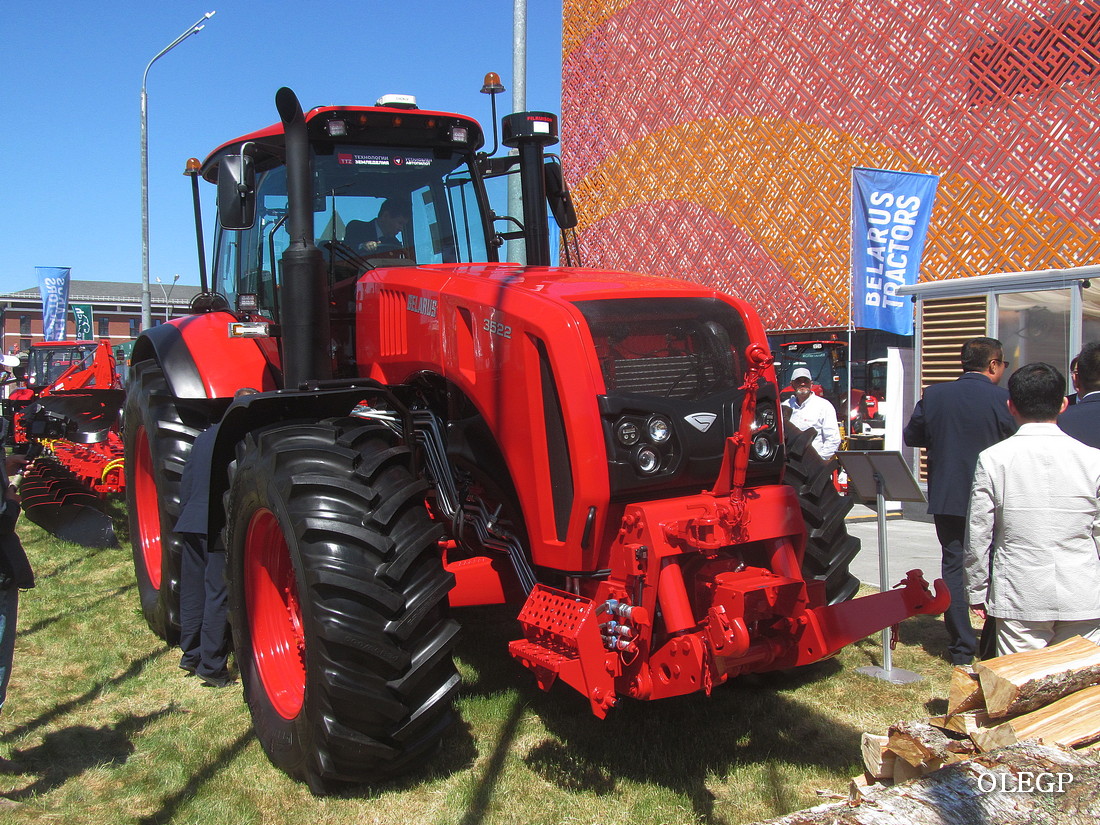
306, 340
531, 132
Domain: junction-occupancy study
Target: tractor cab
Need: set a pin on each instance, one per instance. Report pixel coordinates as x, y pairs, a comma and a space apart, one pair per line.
48, 361
389, 185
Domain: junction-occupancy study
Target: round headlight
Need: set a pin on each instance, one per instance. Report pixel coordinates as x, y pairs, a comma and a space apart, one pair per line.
647, 459
762, 448
628, 433
660, 430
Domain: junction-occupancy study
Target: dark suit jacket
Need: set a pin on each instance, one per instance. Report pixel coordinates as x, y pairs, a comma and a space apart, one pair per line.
195, 484
357, 233
955, 421
1082, 420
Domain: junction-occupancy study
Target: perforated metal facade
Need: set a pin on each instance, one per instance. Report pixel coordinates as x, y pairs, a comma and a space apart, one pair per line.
714, 140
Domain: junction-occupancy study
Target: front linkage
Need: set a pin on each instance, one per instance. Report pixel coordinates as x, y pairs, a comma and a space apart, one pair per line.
703, 588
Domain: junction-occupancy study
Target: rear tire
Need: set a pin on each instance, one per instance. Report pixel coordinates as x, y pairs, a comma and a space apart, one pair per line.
158, 444
829, 548
338, 602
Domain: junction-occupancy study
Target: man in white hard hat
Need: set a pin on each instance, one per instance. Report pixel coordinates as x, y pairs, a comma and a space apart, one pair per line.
811, 411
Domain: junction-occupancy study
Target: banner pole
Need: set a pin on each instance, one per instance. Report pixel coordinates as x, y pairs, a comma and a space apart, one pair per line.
851, 293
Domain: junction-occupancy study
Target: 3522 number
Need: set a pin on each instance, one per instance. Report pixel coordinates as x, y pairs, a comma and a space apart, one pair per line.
495, 328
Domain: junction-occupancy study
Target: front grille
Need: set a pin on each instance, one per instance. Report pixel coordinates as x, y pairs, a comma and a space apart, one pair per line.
673, 376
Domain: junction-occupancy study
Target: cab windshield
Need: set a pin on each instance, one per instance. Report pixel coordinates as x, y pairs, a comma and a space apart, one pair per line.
46, 364
373, 206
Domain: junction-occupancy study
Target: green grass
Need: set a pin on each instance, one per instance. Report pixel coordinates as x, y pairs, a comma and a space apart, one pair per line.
109, 730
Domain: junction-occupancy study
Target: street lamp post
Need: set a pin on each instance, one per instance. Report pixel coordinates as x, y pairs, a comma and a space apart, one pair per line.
146, 303
168, 295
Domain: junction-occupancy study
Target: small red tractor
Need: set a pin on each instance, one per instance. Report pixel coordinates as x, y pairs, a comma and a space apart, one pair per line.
65, 413
436, 429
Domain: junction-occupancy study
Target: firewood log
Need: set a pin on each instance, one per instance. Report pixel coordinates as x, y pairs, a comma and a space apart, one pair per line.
920, 743
1072, 720
965, 692
877, 760
1021, 682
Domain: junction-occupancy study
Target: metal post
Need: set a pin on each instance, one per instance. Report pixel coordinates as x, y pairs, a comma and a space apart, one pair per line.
887, 672
146, 301
883, 566
516, 249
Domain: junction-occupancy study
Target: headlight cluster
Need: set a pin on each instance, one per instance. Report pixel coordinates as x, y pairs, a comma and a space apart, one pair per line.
765, 440
648, 439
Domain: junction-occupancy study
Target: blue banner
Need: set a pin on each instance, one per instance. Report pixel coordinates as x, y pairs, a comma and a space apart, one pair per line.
890, 215
53, 285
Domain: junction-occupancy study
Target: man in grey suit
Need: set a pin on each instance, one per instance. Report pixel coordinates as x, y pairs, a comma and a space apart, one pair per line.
1031, 556
955, 421
1082, 420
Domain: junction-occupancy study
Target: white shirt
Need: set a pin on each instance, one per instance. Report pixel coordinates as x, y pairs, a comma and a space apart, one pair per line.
819, 414
1035, 507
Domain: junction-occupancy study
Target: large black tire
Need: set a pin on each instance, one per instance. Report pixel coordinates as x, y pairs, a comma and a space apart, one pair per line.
338, 602
158, 443
829, 548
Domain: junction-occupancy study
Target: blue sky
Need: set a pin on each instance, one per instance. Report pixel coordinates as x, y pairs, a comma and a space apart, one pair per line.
71, 86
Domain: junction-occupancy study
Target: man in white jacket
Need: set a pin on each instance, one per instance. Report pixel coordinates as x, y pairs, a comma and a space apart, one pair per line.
811, 411
1033, 530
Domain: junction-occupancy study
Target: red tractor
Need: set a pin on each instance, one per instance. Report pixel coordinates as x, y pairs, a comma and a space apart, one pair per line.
437, 429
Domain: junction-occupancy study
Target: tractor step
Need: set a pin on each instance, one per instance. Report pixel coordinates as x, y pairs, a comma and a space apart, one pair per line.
562, 638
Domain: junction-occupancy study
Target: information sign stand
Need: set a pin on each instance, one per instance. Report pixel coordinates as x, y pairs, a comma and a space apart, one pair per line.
876, 477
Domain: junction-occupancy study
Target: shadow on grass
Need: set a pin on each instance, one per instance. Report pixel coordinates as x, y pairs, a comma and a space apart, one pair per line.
676, 743
135, 669
171, 804
62, 569
42, 624
69, 752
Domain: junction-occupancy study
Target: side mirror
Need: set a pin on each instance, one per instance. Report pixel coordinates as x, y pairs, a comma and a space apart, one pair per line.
236, 192
558, 197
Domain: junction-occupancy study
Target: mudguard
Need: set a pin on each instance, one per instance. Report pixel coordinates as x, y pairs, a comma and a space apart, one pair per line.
201, 360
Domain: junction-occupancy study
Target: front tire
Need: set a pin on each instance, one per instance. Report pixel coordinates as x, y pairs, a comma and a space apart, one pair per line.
829, 547
338, 600
157, 443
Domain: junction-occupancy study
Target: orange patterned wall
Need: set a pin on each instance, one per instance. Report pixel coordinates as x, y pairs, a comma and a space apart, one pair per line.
714, 140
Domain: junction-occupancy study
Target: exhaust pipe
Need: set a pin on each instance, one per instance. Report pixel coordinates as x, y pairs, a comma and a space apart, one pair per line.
306, 339
531, 132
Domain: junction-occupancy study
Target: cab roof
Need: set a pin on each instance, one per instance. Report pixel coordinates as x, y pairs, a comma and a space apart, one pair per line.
376, 125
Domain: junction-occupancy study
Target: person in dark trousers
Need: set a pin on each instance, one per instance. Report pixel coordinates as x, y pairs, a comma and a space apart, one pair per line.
1082, 420
204, 597
954, 422
15, 570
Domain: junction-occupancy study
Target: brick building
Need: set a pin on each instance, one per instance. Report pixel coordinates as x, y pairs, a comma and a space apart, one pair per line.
116, 310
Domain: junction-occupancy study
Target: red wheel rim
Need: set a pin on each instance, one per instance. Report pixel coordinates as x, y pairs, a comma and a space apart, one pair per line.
148, 508
274, 615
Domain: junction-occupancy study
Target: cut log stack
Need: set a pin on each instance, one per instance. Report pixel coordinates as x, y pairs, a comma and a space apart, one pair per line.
1050, 695
1019, 744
